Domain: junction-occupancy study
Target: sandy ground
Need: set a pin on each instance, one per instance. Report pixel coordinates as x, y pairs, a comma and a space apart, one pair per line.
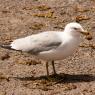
23, 74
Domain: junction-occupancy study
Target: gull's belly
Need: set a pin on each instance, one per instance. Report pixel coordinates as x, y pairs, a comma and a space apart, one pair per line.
59, 53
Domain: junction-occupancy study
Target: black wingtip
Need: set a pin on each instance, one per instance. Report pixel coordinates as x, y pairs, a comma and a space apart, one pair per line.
6, 46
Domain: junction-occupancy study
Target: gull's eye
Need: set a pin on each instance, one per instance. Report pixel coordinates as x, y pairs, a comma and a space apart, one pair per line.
75, 28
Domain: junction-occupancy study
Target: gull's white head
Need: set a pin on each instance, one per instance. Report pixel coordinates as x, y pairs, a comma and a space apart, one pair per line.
75, 28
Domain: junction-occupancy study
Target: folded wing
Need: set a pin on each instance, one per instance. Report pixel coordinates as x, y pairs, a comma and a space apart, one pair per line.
37, 43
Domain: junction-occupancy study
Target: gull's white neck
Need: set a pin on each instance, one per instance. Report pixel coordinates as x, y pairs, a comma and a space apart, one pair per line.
68, 36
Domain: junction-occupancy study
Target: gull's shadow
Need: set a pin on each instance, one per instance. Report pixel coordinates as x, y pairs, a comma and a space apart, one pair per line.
62, 78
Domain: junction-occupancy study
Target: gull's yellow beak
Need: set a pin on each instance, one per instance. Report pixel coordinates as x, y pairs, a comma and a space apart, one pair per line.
85, 32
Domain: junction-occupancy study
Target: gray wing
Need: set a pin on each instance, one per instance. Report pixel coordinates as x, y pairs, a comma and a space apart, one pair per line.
45, 47
37, 43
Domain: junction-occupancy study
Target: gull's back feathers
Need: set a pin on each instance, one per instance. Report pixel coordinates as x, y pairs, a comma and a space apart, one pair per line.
36, 43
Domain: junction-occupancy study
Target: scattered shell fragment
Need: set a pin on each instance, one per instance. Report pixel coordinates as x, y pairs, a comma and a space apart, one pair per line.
39, 7
28, 62
45, 15
70, 87
2, 77
82, 17
43, 7
36, 26
5, 11
92, 45
27, 8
